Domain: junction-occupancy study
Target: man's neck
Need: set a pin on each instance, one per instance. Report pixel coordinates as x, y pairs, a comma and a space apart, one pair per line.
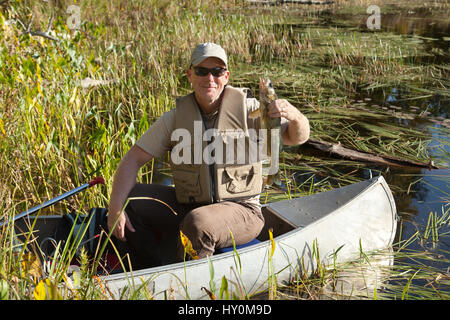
209, 106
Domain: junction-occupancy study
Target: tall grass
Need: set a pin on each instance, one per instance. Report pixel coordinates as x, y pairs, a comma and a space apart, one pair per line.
56, 134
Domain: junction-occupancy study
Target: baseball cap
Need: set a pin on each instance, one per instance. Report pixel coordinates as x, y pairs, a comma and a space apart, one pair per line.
208, 50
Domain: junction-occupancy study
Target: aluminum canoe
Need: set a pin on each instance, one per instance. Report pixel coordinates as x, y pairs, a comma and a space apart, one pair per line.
337, 224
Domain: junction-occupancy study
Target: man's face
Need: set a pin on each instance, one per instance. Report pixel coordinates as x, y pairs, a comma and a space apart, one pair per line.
208, 88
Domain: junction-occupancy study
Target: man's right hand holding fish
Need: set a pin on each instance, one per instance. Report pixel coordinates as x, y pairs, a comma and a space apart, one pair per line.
285, 125
298, 129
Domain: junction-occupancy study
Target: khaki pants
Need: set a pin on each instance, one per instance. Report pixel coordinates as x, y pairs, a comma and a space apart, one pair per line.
156, 240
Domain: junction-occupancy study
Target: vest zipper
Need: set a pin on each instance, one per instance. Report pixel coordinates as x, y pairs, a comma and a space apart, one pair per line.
211, 166
211, 169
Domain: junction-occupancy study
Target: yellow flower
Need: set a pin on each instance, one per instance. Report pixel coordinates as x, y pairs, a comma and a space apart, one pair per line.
46, 290
187, 244
272, 242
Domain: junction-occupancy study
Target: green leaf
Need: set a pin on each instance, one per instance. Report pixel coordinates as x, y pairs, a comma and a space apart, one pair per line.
4, 290
224, 289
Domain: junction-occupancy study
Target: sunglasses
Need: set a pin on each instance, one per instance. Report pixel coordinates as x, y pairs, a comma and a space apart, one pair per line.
216, 72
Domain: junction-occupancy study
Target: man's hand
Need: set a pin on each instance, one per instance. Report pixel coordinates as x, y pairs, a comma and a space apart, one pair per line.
282, 108
124, 181
298, 126
122, 222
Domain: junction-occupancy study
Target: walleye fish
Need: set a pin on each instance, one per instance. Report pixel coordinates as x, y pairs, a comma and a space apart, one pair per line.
273, 131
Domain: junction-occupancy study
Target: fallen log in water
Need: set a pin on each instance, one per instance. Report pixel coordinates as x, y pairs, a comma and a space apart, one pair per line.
338, 149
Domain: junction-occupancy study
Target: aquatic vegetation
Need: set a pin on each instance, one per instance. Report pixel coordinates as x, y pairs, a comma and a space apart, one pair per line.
70, 109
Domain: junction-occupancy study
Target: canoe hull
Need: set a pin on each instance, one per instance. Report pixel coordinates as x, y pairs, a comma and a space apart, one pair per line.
366, 221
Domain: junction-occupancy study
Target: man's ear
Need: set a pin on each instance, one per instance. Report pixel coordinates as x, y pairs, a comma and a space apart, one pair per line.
189, 73
227, 76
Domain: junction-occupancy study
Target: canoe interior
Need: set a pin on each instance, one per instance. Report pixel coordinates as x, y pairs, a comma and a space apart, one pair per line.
282, 216
44, 227
286, 215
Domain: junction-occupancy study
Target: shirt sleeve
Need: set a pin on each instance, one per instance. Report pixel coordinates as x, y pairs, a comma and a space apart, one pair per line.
156, 140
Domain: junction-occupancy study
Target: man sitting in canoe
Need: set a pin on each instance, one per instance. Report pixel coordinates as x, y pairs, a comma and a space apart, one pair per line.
212, 200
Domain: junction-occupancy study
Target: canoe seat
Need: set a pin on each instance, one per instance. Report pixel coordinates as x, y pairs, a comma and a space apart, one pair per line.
228, 249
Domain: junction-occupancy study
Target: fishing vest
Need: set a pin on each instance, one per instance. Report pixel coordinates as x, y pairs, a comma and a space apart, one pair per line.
216, 164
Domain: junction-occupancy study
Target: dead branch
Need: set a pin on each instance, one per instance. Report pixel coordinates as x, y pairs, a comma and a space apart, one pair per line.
38, 33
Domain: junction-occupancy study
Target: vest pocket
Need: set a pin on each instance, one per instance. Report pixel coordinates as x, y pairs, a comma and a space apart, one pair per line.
187, 183
238, 179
